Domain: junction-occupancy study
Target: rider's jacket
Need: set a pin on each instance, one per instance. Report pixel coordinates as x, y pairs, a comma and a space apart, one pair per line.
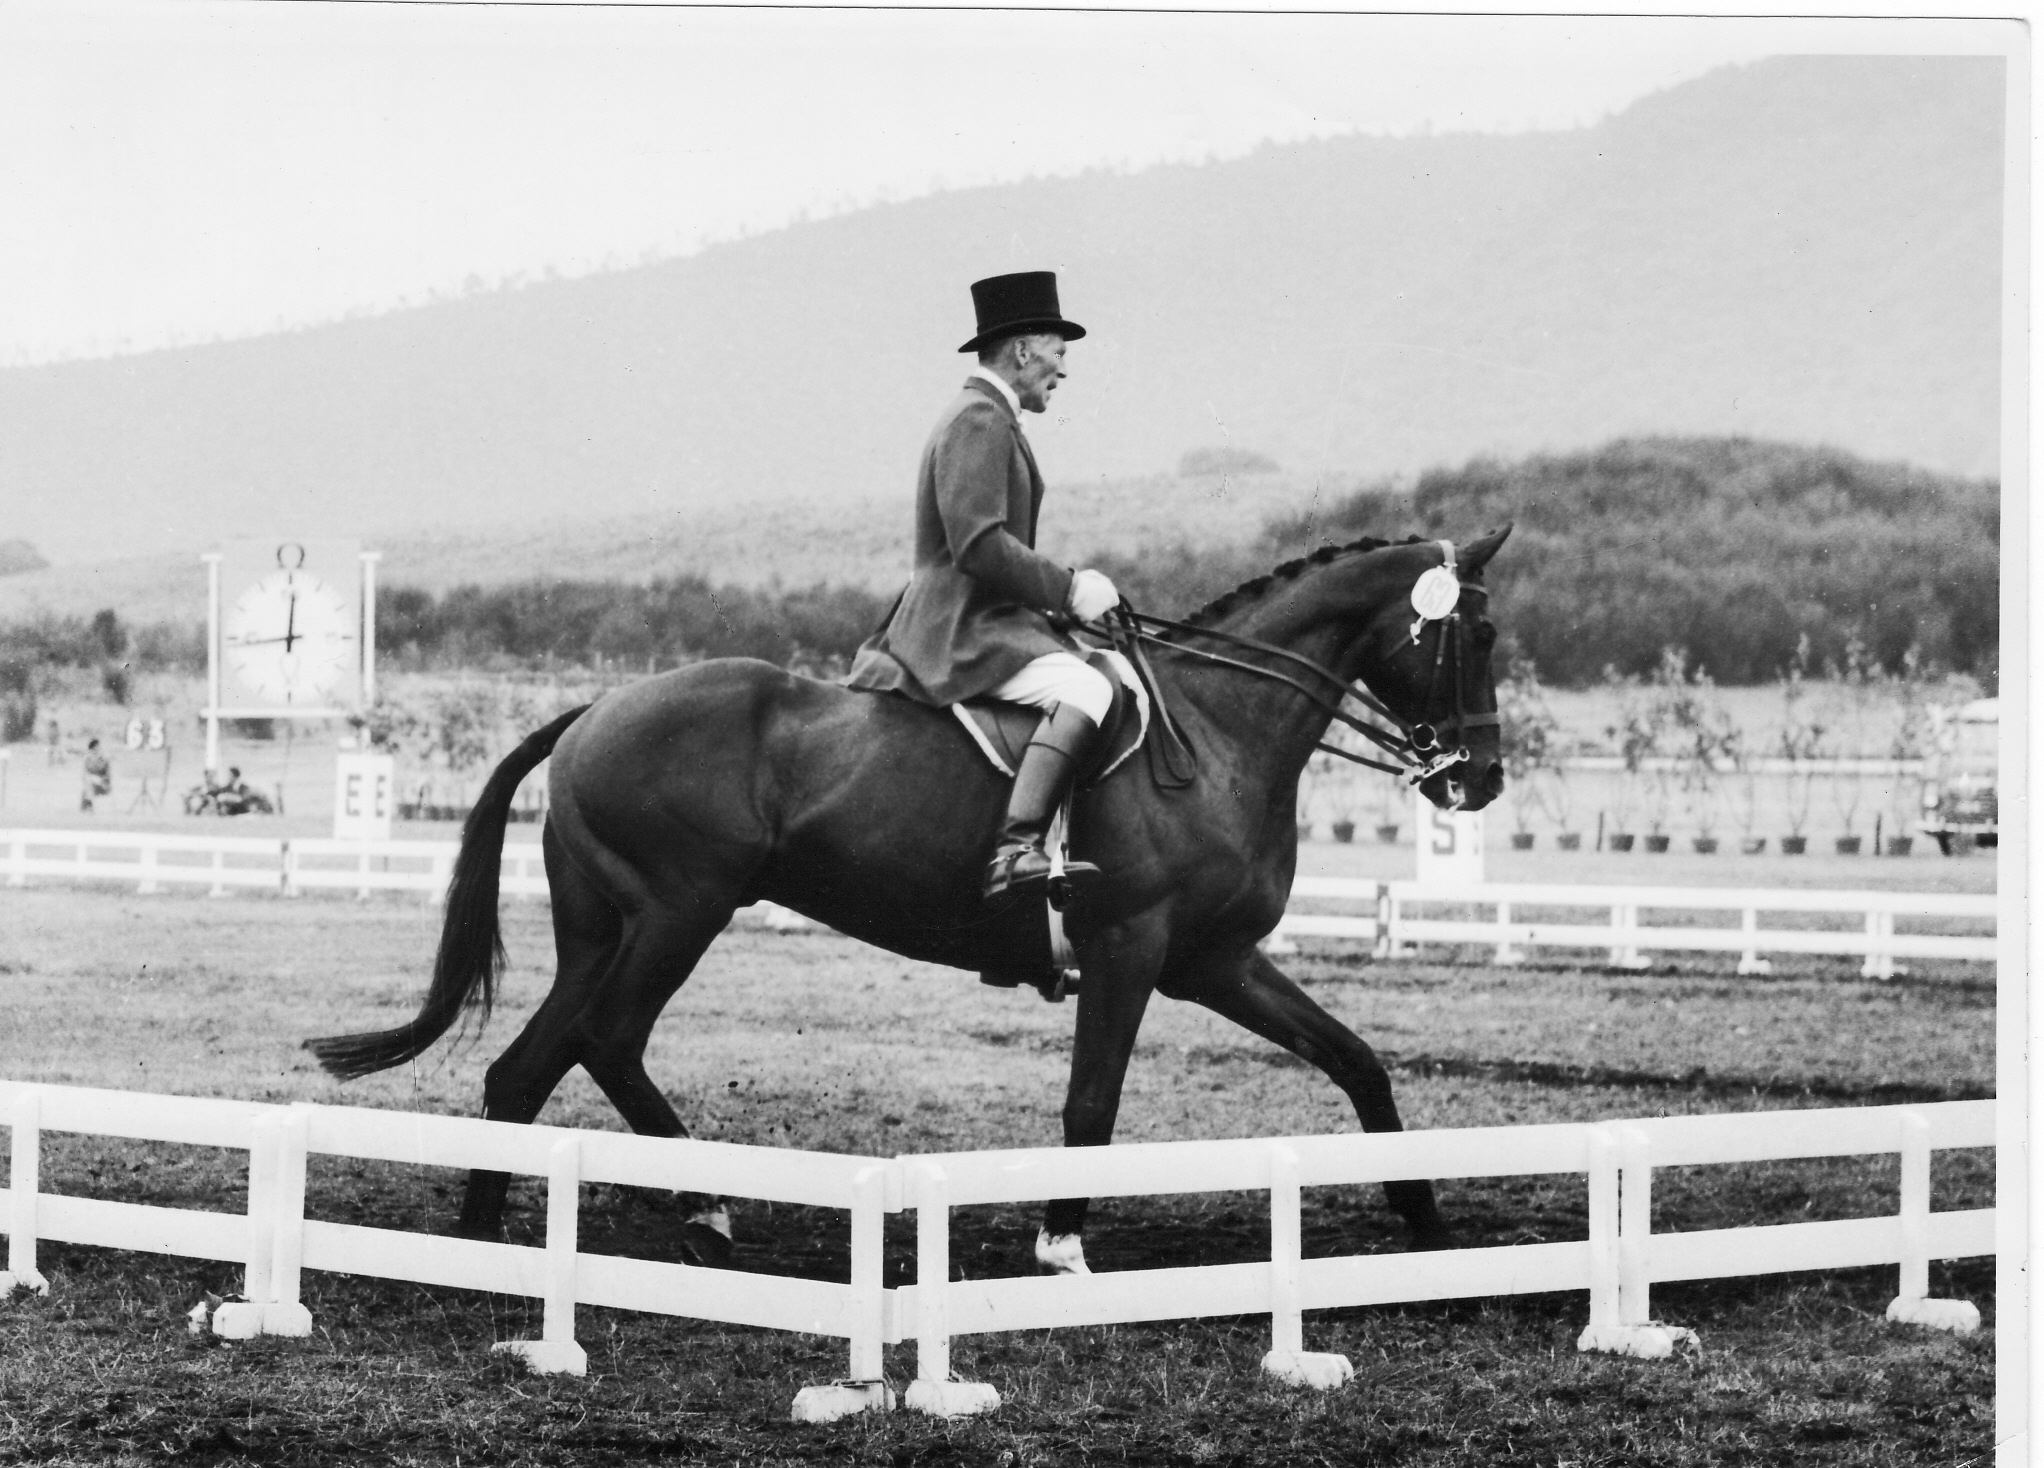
977, 606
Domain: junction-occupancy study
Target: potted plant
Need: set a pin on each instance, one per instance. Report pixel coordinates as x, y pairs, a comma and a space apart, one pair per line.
1635, 738
1528, 738
1908, 746
1802, 745
1390, 793
1854, 683
1703, 740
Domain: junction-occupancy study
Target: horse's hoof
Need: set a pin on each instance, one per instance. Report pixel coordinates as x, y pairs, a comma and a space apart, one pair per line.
1060, 1254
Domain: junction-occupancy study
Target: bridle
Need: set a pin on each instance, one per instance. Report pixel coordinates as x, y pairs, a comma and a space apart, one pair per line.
1422, 749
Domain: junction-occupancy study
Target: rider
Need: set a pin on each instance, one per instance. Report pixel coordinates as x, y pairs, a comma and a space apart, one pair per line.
976, 619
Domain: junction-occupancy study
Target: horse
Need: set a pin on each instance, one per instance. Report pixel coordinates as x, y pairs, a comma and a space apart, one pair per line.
680, 798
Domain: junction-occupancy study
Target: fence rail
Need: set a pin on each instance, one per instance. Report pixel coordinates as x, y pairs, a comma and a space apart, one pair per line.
1393, 925
1393, 920
1616, 1264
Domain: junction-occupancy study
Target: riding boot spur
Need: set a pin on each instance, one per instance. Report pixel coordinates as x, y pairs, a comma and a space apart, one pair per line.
1055, 753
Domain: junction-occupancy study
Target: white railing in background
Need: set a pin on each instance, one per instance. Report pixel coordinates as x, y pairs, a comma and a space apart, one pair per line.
1392, 926
153, 860
1616, 1264
294, 865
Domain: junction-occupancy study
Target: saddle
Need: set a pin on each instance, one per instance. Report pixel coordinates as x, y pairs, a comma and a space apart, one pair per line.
1002, 730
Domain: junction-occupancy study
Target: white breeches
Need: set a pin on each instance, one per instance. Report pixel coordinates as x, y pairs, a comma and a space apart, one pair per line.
1059, 678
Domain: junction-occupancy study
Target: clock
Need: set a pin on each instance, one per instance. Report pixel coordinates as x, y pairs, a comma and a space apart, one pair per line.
290, 637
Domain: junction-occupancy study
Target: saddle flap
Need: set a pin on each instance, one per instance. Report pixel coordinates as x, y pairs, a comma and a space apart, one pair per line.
1003, 730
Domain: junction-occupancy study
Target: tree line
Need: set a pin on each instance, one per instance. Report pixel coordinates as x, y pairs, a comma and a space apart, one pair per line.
1735, 550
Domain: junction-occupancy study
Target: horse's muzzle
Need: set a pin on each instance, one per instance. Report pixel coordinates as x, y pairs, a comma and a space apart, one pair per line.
1470, 788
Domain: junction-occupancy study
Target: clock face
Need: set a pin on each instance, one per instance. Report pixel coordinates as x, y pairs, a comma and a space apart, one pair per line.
290, 638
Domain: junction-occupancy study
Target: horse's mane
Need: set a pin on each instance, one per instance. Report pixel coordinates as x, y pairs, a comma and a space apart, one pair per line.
1254, 588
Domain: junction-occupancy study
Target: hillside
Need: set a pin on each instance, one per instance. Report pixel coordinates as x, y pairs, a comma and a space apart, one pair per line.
1804, 248
1730, 547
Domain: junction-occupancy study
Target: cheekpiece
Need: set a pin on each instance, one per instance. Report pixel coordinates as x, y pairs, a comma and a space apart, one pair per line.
1011, 305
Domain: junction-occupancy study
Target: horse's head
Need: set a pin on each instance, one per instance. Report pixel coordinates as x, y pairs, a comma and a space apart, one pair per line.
1431, 668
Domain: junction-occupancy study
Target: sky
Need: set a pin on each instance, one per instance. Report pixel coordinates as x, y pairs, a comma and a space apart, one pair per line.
188, 172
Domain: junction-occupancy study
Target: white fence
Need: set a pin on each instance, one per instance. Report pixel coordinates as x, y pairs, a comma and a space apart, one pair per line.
1396, 921
1392, 923
1615, 1265
289, 864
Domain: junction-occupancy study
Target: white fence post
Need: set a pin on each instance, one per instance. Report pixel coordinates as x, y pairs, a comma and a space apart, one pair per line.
219, 865
1880, 959
147, 886
1288, 1360
865, 1388
556, 1353
242, 1319
288, 877
24, 1179
1506, 954
934, 1391
17, 861
1750, 962
1625, 937
1912, 1304
1630, 1332
1603, 1200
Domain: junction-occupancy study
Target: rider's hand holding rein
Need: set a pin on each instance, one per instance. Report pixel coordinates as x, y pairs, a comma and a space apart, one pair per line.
1092, 596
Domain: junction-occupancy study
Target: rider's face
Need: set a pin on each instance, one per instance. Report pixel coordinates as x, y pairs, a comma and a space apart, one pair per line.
1038, 370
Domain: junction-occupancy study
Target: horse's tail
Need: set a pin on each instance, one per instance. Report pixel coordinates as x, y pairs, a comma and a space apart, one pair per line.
471, 946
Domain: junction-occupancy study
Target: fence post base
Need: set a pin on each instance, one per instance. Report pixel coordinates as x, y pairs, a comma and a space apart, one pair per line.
27, 1279
1649, 1342
841, 1399
244, 1320
950, 1398
1321, 1370
1961, 1317
547, 1358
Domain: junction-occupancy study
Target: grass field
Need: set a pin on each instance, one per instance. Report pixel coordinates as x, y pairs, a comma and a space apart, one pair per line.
811, 1041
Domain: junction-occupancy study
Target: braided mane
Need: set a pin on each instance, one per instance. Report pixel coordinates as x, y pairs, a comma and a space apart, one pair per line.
1254, 588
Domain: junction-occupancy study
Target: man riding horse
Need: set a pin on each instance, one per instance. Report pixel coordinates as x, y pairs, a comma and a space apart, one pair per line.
977, 620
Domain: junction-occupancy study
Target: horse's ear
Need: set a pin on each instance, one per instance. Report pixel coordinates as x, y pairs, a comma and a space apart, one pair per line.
1472, 557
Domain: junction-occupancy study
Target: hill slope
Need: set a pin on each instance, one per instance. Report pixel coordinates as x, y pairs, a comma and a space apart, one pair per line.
1804, 248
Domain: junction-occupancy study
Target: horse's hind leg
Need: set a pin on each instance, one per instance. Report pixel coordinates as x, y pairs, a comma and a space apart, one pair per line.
1256, 995
588, 932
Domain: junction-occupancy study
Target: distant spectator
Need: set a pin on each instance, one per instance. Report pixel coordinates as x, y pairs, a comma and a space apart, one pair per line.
56, 742
99, 777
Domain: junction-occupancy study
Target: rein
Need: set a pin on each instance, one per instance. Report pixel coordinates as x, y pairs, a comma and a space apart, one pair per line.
1419, 749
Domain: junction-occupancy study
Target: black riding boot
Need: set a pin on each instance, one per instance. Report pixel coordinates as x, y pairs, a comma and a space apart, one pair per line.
1054, 754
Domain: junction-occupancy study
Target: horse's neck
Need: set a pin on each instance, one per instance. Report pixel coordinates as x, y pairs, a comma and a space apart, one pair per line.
1268, 718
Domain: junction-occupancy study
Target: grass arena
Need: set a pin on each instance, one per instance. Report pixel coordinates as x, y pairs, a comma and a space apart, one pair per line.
807, 1040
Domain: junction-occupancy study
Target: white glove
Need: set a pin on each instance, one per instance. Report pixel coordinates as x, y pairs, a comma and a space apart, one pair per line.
1092, 596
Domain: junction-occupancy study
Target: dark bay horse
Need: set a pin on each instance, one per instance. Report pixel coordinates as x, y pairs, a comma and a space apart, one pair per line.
676, 800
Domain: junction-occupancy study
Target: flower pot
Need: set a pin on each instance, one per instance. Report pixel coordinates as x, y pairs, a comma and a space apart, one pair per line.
1753, 845
1570, 840
1620, 842
1344, 830
1657, 843
1848, 845
1388, 833
1705, 845
1794, 845
1900, 845
1522, 840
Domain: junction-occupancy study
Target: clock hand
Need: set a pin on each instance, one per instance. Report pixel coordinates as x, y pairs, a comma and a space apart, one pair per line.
291, 623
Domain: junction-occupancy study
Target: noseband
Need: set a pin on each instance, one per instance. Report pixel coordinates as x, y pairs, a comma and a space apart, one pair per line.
1419, 748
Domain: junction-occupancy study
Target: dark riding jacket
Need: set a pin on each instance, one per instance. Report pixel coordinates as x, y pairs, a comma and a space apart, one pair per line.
977, 608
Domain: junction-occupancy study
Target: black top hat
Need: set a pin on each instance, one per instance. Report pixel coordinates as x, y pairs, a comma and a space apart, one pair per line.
1010, 305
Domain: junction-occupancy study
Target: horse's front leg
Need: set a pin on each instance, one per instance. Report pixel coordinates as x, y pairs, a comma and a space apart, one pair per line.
1118, 968
1256, 994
